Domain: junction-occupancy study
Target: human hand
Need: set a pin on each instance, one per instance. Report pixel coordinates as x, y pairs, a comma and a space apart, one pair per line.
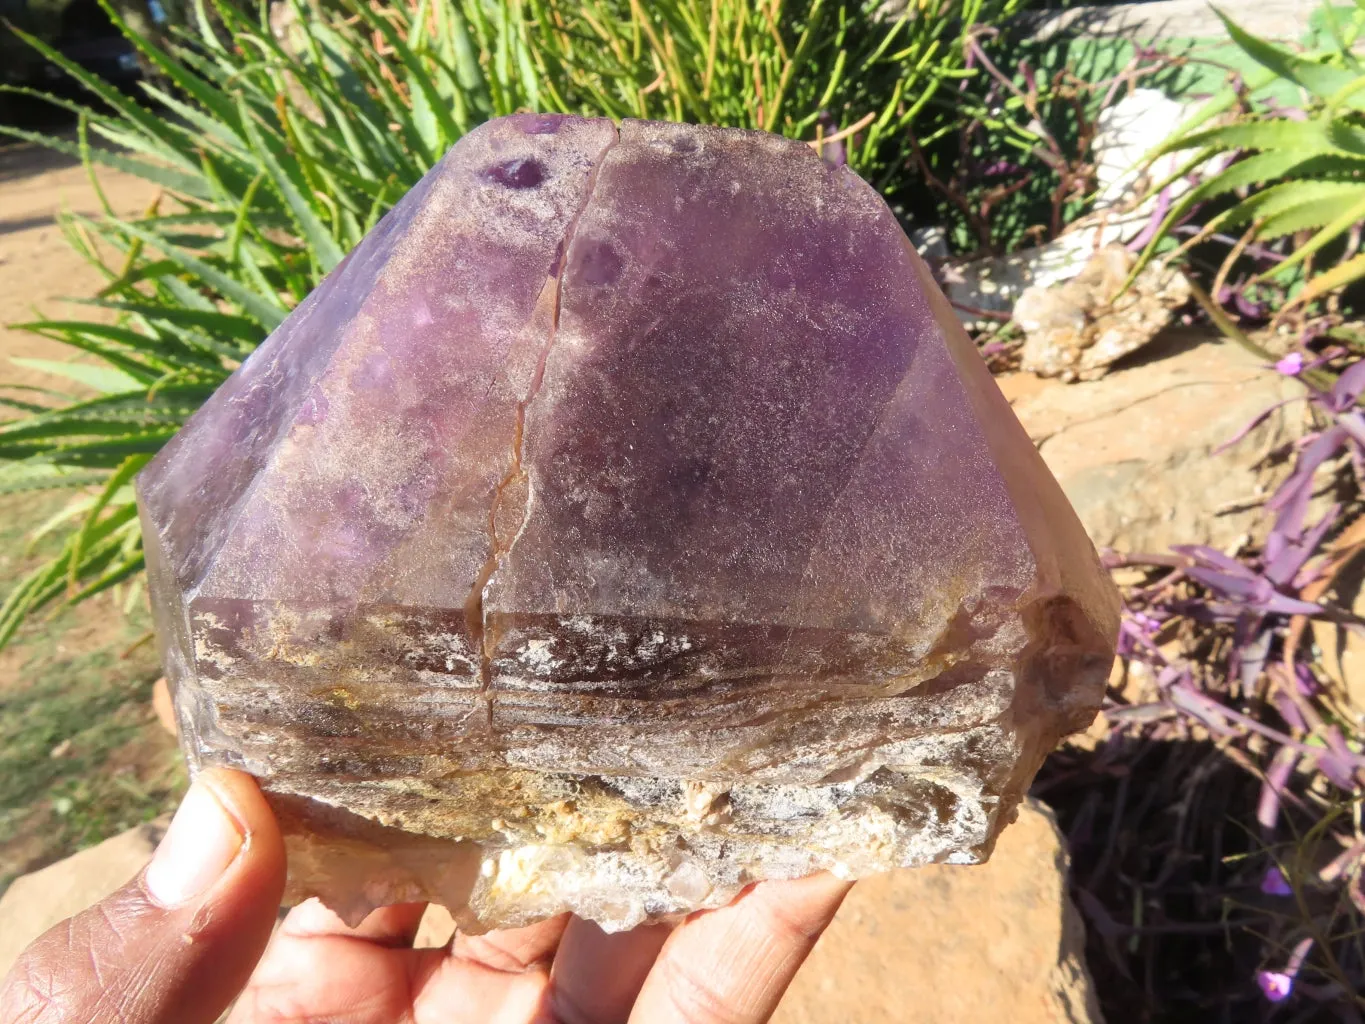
180, 941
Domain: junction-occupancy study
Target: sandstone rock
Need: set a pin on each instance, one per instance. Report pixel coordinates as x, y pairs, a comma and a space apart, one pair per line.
1342, 648
1077, 329
163, 707
996, 943
626, 519
37, 901
1134, 451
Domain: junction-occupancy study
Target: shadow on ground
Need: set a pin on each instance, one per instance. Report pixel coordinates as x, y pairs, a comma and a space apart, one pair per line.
1167, 873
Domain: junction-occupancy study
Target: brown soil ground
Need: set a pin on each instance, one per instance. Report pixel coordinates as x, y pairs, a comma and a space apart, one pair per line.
37, 266
84, 674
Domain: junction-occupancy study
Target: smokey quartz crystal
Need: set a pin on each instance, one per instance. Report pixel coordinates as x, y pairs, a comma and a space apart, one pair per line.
625, 520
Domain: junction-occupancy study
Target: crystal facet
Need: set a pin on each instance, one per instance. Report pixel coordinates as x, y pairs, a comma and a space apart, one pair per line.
626, 519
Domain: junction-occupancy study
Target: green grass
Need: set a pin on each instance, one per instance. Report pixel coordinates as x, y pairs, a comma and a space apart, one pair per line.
70, 683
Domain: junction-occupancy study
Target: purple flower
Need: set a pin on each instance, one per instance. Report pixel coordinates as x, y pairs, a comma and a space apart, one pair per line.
1291, 365
1276, 985
1275, 884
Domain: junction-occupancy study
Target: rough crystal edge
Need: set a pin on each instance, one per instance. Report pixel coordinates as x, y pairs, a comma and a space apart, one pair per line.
355, 865
493, 883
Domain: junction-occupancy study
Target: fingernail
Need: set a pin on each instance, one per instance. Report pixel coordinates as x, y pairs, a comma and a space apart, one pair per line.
198, 847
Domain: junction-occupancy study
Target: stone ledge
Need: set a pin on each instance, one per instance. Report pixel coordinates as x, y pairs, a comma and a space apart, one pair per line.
1175, 19
37, 901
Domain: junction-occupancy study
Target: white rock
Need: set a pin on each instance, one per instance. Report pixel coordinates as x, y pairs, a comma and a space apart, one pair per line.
1127, 132
994, 285
931, 243
1178, 20
1076, 329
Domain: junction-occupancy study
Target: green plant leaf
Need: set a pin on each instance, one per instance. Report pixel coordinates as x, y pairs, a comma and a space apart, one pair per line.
265, 311
111, 416
20, 405
1330, 232
1322, 80
1295, 205
323, 247
1308, 138
100, 454
109, 578
224, 324
105, 379
168, 178
88, 533
37, 474
417, 77
154, 355
33, 591
212, 100
167, 142
76, 508
1338, 277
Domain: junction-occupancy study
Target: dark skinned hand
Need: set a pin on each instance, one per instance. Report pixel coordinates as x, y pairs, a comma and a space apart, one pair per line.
192, 932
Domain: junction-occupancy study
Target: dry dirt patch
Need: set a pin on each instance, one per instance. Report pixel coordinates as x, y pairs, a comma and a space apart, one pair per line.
81, 757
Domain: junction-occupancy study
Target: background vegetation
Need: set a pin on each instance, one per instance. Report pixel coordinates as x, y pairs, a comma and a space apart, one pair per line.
277, 150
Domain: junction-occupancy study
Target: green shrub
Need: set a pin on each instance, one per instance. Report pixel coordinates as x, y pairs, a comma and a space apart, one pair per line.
276, 156
757, 65
1296, 177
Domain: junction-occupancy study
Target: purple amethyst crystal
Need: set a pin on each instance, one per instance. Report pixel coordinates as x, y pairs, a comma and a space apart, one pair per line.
626, 519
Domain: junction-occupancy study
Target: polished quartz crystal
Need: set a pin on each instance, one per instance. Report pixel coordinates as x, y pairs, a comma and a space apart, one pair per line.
626, 519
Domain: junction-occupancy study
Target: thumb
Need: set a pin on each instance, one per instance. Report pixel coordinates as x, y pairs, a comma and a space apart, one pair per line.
179, 941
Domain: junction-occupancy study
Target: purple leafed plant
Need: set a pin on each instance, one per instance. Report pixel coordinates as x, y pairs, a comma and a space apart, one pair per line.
1214, 815
1220, 675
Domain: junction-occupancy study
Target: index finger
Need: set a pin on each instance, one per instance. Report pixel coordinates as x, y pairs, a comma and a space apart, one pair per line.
731, 966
